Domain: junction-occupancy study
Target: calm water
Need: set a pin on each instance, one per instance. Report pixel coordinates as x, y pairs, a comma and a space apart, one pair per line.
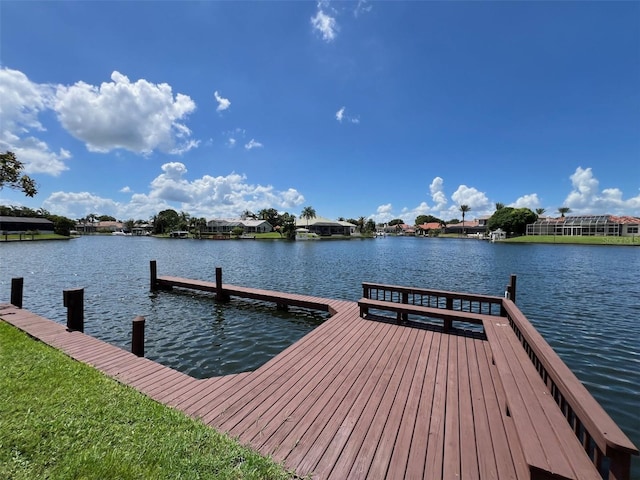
583, 299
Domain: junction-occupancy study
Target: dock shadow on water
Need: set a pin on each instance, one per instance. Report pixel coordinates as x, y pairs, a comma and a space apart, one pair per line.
192, 333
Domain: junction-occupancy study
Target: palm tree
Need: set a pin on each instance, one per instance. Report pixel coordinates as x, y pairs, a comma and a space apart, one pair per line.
563, 210
308, 212
540, 211
464, 209
499, 206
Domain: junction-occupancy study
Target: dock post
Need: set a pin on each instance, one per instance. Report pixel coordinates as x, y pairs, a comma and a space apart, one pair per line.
17, 285
221, 295
447, 324
153, 269
73, 299
137, 336
512, 289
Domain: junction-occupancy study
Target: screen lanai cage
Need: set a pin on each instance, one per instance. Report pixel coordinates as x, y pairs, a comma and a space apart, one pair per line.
591, 225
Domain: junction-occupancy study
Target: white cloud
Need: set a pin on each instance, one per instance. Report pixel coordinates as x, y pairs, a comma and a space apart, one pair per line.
125, 189
80, 204
21, 102
437, 193
471, 197
325, 24
384, 213
585, 198
223, 103
207, 196
340, 114
140, 116
253, 144
529, 201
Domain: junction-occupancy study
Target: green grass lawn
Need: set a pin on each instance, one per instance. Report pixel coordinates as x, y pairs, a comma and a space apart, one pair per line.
27, 237
576, 240
60, 419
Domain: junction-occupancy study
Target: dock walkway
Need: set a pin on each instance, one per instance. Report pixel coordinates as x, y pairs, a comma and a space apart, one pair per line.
355, 398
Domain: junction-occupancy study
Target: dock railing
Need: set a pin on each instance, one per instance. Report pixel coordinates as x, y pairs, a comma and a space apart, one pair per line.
605, 443
462, 302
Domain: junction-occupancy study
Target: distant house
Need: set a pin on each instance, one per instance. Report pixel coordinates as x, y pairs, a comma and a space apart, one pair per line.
408, 230
221, 226
256, 226
109, 226
325, 227
25, 224
472, 227
586, 226
425, 228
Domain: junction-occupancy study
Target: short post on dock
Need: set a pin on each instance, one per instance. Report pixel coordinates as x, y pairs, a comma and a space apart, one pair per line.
153, 280
73, 299
17, 285
137, 336
221, 295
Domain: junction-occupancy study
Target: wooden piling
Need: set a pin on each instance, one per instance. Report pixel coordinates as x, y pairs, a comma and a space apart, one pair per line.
512, 289
17, 285
137, 336
221, 295
153, 269
73, 299
448, 324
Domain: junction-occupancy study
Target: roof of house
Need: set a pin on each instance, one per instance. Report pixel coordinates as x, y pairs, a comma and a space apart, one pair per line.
430, 226
254, 223
26, 220
321, 221
465, 224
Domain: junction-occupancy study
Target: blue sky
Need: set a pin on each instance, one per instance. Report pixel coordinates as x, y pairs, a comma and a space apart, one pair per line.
377, 109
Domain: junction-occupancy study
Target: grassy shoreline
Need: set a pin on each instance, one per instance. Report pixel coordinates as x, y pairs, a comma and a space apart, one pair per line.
569, 240
62, 419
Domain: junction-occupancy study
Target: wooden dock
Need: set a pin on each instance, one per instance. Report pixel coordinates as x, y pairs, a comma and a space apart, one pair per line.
361, 397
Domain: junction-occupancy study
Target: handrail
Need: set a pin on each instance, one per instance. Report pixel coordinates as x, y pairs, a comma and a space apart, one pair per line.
464, 302
599, 434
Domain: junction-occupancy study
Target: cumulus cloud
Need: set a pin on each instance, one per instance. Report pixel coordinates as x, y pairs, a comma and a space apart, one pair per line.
207, 196
21, 103
80, 204
586, 198
325, 24
340, 114
223, 103
252, 144
139, 116
529, 201
436, 188
470, 196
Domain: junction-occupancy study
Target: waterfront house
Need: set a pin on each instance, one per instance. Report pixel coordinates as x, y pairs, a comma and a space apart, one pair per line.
429, 228
467, 227
25, 224
325, 227
586, 226
222, 226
